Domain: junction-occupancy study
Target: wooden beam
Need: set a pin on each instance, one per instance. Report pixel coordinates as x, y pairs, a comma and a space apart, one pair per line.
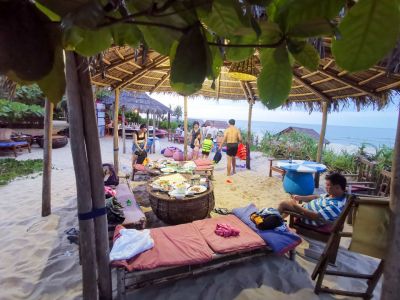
112, 77
349, 95
321, 81
127, 80
123, 70
381, 73
115, 131
337, 89
301, 95
185, 127
389, 86
47, 149
99, 83
242, 85
346, 81
119, 54
106, 61
309, 75
132, 63
342, 73
160, 82
328, 64
250, 91
218, 88
162, 68
311, 88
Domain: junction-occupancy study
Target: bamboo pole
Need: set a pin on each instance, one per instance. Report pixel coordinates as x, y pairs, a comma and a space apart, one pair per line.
116, 149
123, 130
147, 120
84, 201
321, 138
96, 179
185, 127
153, 146
249, 141
391, 286
47, 146
323, 130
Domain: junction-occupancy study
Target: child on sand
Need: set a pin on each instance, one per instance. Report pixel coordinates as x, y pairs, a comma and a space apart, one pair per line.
207, 146
196, 149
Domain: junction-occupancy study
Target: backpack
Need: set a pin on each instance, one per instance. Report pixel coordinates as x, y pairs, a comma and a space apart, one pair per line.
141, 157
217, 157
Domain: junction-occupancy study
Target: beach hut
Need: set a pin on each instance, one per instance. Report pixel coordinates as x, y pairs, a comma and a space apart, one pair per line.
307, 131
138, 101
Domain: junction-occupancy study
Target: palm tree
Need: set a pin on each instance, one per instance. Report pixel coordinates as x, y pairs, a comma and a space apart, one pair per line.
178, 112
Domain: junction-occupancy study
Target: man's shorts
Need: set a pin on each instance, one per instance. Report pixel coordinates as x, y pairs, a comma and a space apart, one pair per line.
231, 149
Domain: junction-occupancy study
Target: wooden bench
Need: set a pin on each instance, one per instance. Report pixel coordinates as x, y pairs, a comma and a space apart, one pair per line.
14, 146
276, 169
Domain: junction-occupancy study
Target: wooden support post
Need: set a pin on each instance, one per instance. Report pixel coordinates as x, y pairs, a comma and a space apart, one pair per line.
185, 128
123, 130
321, 138
391, 278
116, 149
47, 146
249, 142
153, 146
83, 185
92, 142
147, 120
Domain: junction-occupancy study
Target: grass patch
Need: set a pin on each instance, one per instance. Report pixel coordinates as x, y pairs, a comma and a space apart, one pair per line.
11, 168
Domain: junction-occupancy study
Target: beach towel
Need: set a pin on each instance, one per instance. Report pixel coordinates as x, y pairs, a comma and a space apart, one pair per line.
279, 241
178, 245
246, 240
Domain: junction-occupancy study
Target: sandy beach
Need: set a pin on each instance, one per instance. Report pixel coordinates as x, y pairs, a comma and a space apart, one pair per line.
38, 262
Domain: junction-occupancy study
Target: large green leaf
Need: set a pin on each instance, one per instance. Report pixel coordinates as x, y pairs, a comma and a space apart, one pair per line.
239, 54
312, 28
89, 42
270, 33
369, 31
307, 56
126, 34
215, 62
275, 80
289, 13
62, 8
190, 64
226, 18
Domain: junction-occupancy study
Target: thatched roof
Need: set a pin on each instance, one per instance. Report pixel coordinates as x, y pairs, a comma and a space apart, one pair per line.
307, 131
139, 101
125, 68
217, 124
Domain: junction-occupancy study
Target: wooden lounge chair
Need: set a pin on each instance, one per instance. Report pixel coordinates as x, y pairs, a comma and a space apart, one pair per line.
273, 168
369, 237
324, 232
14, 146
178, 139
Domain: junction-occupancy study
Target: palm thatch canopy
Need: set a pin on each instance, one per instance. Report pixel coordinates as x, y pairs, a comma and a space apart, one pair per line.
138, 101
131, 69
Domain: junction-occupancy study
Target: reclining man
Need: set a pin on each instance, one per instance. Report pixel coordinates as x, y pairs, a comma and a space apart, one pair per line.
319, 207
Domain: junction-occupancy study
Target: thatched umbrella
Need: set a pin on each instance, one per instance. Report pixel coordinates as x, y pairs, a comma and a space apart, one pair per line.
327, 89
128, 100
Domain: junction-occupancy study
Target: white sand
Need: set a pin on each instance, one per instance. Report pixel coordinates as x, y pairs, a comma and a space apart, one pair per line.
38, 262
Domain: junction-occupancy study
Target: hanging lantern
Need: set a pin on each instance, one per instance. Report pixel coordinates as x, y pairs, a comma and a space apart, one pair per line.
244, 70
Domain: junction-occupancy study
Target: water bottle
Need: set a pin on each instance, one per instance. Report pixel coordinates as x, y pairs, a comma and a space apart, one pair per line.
128, 202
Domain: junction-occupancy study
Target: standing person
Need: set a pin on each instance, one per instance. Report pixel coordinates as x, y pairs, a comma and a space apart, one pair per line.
178, 130
195, 134
232, 137
207, 146
139, 143
203, 131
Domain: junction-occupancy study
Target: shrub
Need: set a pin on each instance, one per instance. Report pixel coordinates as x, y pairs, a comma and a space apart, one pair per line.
173, 125
342, 162
16, 114
11, 168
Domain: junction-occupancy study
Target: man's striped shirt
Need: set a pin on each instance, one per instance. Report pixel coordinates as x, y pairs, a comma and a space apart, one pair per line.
328, 208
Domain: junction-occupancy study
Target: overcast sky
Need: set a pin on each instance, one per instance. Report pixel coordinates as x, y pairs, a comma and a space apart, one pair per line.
200, 108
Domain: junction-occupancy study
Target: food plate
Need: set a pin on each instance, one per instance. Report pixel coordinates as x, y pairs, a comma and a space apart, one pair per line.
168, 170
197, 189
175, 194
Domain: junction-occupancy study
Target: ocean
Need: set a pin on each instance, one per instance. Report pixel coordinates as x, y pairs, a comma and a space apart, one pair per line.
343, 135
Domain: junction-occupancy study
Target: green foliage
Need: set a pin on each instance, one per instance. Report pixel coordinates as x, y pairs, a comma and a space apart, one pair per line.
178, 112
343, 162
192, 33
132, 117
15, 112
11, 168
164, 125
29, 94
384, 158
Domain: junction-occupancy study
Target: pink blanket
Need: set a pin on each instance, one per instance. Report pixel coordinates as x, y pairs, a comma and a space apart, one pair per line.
173, 246
246, 240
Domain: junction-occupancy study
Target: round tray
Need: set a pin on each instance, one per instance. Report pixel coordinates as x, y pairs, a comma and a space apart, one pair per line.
174, 211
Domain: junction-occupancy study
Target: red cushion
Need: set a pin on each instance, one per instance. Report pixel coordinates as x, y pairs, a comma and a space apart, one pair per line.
139, 167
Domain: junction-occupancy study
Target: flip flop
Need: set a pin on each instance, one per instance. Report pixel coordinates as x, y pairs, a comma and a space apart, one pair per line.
229, 180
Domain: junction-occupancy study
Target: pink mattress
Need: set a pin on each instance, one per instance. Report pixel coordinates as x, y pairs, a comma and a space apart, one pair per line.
173, 246
246, 240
